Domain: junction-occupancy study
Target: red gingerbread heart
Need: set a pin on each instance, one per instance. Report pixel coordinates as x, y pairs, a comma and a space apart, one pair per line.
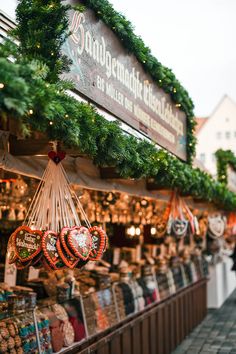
80, 242
56, 156
63, 238
11, 252
50, 252
70, 261
98, 243
27, 243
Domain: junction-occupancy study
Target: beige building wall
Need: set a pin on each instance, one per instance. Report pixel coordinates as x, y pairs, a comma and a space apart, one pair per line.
219, 131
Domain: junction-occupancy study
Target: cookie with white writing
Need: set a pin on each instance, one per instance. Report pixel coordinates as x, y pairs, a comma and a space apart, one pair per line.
98, 243
27, 243
69, 261
49, 241
80, 242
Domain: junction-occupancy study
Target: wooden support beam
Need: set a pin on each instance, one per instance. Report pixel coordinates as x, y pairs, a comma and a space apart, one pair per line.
109, 173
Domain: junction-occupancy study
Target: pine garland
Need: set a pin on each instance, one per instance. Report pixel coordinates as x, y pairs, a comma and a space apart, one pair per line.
224, 158
162, 75
31, 92
42, 28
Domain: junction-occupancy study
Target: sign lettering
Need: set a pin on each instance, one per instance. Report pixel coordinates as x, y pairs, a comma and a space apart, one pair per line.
103, 71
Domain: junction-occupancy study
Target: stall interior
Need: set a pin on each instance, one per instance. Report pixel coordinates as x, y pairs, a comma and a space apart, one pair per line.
155, 249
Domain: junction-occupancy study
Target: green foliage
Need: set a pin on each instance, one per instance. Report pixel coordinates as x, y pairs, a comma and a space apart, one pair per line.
33, 94
163, 76
224, 158
42, 28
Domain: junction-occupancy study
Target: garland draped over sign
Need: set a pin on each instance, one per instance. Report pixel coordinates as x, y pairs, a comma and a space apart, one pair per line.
44, 42
32, 93
162, 75
224, 158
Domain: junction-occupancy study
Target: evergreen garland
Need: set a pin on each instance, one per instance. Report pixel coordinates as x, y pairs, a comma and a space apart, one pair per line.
42, 28
39, 101
162, 75
224, 158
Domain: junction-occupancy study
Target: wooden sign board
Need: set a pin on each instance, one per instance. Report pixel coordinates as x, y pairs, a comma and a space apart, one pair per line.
105, 73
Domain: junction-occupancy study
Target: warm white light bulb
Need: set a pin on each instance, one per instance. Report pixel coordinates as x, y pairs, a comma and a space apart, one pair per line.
153, 230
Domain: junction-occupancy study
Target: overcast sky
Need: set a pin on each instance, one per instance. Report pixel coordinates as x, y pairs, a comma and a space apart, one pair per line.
197, 39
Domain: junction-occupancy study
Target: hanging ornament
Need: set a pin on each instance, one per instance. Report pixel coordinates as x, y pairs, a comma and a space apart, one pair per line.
52, 234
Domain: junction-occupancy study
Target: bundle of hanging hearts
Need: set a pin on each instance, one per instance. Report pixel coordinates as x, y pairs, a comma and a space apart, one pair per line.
52, 235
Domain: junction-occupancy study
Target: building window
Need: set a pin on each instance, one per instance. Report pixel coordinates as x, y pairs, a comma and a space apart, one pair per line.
203, 157
235, 134
227, 135
218, 135
227, 119
213, 157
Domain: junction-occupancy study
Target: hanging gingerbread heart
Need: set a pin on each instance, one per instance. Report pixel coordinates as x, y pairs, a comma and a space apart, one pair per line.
27, 243
69, 261
98, 243
63, 238
11, 253
80, 242
50, 251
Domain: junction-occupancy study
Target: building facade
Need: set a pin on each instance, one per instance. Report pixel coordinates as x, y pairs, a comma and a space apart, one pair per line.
218, 131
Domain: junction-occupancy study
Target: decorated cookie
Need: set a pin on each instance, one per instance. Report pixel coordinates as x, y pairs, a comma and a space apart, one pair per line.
27, 243
98, 242
50, 252
69, 261
79, 241
11, 252
64, 240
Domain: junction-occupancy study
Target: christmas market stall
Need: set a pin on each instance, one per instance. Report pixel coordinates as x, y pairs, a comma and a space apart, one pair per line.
107, 229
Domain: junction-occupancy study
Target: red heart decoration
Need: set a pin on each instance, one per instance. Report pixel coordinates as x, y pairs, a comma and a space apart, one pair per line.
63, 238
11, 253
98, 243
80, 242
50, 252
27, 243
69, 261
56, 156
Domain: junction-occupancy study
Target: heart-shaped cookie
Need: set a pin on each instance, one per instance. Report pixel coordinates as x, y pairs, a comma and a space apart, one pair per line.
27, 243
98, 243
69, 261
56, 156
63, 238
11, 253
80, 242
50, 251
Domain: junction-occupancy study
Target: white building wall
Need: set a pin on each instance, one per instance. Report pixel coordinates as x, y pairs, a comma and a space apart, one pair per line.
218, 132
8, 6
